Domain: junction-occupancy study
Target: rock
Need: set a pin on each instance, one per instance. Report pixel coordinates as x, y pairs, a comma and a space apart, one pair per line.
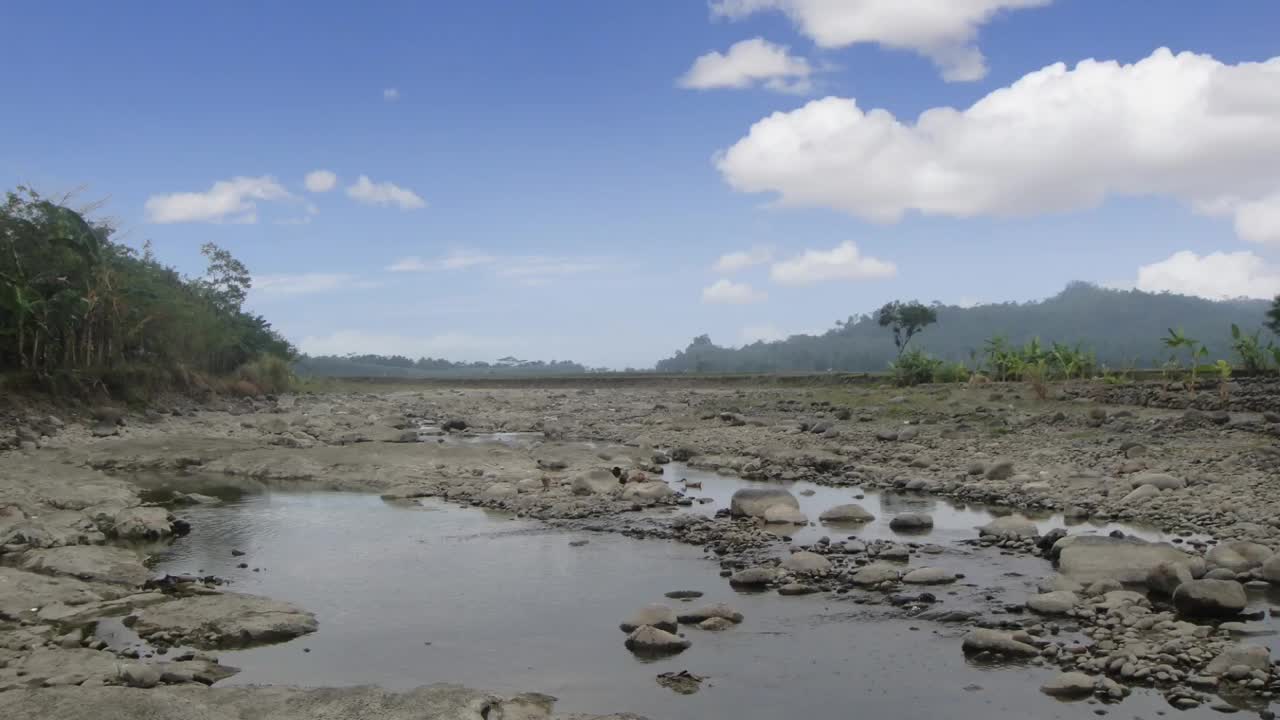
224, 620
1270, 570
683, 594
595, 482
785, 515
911, 522
1143, 492
649, 640
996, 642
753, 577
707, 612
101, 430
755, 502
1102, 587
1210, 598
715, 624
1220, 574
1057, 602
648, 491
807, 563
454, 425
683, 682
100, 563
1088, 558
71, 640
498, 491
797, 588
1069, 685
851, 513
929, 576
1238, 556
1166, 577
1009, 525
1162, 481
1254, 657
888, 435
142, 523
874, 574
659, 616
999, 470
140, 676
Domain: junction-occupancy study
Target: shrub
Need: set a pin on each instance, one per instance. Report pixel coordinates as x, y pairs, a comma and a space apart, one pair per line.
913, 368
1037, 376
268, 373
950, 373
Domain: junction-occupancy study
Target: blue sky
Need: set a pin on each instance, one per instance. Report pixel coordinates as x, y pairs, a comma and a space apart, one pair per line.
562, 183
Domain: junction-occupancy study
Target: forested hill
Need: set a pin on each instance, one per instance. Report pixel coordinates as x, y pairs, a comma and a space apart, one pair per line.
1123, 327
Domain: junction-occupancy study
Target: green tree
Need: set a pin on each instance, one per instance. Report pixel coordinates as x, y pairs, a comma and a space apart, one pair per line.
1273, 316
905, 319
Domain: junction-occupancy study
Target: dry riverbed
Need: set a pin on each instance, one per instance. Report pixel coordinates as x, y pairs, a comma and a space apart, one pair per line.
1125, 553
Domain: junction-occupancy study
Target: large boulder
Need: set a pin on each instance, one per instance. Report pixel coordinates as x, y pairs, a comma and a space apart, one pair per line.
1161, 481
595, 482
1167, 576
1010, 526
1089, 558
1238, 556
706, 612
1069, 685
807, 563
995, 642
1210, 598
1253, 657
1057, 602
929, 576
874, 574
648, 491
659, 616
784, 514
101, 563
850, 513
911, 522
224, 620
753, 577
755, 502
142, 523
1140, 493
649, 640
1271, 570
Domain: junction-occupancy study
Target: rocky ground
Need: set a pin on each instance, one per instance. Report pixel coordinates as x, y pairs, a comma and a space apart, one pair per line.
76, 521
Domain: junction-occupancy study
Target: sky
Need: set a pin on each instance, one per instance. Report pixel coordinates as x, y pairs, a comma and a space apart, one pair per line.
602, 181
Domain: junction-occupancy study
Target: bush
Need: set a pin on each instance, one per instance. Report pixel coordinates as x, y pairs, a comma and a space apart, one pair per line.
950, 373
268, 373
913, 368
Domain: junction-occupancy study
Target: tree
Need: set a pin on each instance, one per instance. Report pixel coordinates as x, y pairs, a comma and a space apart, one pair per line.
906, 319
1273, 316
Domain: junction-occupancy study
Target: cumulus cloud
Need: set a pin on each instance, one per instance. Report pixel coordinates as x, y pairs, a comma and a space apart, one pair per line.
942, 30
391, 94
526, 269
747, 64
731, 293
1216, 276
843, 262
456, 260
1058, 139
384, 194
231, 200
762, 333
319, 181
307, 283
454, 345
743, 259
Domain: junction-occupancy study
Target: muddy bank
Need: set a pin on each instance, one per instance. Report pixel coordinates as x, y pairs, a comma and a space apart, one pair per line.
77, 511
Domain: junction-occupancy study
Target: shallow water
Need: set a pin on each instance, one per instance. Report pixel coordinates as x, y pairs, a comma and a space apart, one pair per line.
417, 593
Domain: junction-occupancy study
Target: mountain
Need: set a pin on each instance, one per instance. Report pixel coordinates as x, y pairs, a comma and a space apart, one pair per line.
1123, 327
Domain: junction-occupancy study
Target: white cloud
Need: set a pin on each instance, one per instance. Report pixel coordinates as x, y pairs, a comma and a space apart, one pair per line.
391, 94
540, 270
384, 193
748, 63
762, 333
456, 260
227, 201
1217, 275
453, 345
942, 30
743, 259
319, 181
732, 293
843, 262
307, 283
1059, 139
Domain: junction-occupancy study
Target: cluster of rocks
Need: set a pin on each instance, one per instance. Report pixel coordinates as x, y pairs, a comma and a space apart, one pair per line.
653, 631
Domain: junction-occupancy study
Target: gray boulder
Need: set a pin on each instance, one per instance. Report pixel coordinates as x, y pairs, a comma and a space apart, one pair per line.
100, 563
649, 640
1009, 525
1253, 657
753, 577
142, 523
224, 620
1137, 495
1271, 570
874, 574
785, 515
911, 522
807, 563
1057, 602
929, 576
659, 616
1238, 556
140, 676
996, 642
1166, 577
999, 470
595, 482
706, 612
1089, 558
1069, 685
1161, 481
648, 491
1210, 598
851, 513
755, 502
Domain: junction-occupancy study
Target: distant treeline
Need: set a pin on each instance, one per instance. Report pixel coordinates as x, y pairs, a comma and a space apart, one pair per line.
76, 303
1123, 328
400, 366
